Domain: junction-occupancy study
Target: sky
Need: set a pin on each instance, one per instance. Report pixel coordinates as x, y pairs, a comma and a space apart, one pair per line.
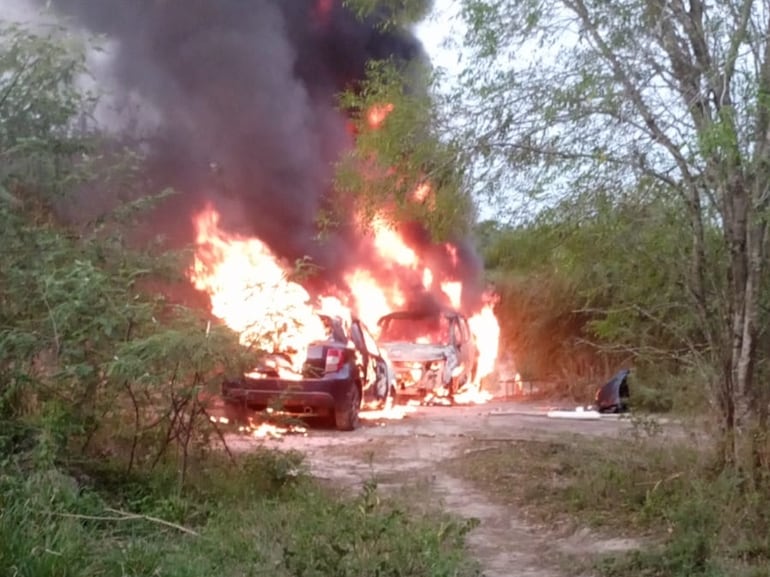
439, 34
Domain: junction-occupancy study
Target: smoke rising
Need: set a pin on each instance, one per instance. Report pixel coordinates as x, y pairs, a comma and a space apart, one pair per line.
242, 96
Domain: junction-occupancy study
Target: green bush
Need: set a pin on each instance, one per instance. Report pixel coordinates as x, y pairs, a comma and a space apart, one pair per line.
260, 515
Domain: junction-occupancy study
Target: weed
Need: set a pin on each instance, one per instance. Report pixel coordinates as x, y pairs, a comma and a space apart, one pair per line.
261, 515
701, 523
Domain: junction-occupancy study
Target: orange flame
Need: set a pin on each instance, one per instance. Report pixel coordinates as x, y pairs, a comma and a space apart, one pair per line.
452, 252
422, 192
272, 431
251, 292
391, 246
378, 114
486, 330
427, 278
391, 413
454, 291
373, 300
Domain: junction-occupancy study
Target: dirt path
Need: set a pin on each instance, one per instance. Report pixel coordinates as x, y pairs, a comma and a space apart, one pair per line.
406, 455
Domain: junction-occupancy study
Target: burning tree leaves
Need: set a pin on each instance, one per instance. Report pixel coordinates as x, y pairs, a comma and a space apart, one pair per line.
399, 166
273, 130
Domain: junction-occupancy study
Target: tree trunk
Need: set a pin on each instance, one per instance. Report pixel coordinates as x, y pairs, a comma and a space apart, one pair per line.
745, 428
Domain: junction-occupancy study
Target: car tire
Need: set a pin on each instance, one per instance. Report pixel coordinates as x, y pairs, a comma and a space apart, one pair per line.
346, 415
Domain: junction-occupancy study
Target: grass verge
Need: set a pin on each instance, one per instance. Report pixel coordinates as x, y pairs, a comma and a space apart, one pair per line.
263, 516
700, 523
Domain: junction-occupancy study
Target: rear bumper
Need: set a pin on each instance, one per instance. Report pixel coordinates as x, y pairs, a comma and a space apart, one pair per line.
288, 395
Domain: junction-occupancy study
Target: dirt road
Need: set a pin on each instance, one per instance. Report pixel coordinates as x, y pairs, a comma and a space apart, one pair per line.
407, 454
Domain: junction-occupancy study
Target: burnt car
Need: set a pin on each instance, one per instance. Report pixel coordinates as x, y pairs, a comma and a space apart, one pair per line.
432, 353
341, 374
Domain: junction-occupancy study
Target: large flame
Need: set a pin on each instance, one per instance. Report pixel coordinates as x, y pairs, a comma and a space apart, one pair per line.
486, 330
255, 294
251, 291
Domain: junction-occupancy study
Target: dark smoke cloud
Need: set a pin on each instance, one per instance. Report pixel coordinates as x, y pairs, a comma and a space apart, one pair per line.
245, 92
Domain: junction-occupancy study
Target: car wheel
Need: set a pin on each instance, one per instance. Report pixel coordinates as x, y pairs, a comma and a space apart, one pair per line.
346, 415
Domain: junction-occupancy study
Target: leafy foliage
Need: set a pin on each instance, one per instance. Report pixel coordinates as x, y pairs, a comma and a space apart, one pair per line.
89, 357
390, 12
400, 167
246, 519
39, 107
648, 96
594, 283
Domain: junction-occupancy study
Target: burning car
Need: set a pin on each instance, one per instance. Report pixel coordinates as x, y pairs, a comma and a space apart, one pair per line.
432, 353
340, 373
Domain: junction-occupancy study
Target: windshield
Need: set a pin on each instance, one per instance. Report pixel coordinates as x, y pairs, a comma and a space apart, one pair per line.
433, 330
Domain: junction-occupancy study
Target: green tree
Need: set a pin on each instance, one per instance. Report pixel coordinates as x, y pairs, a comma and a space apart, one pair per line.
576, 95
400, 167
91, 358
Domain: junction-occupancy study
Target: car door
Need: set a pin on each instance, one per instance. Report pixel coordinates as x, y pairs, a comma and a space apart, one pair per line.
362, 355
377, 365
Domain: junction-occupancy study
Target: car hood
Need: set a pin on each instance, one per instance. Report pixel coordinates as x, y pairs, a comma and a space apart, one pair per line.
416, 351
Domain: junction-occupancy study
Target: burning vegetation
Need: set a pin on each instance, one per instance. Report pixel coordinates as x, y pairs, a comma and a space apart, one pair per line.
241, 101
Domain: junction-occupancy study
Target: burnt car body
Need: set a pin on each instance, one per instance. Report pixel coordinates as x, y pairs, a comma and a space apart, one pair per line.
339, 375
431, 353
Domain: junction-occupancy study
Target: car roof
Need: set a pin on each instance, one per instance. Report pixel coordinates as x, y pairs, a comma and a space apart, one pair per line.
420, 314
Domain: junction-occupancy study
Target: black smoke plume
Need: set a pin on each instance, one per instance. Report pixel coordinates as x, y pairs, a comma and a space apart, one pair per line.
245, 93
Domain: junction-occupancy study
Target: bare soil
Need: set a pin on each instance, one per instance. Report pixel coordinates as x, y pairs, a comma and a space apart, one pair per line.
406, 456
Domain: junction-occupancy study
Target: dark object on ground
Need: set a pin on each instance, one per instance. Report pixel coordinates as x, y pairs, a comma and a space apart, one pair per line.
613, 396
339, 375
432, 352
